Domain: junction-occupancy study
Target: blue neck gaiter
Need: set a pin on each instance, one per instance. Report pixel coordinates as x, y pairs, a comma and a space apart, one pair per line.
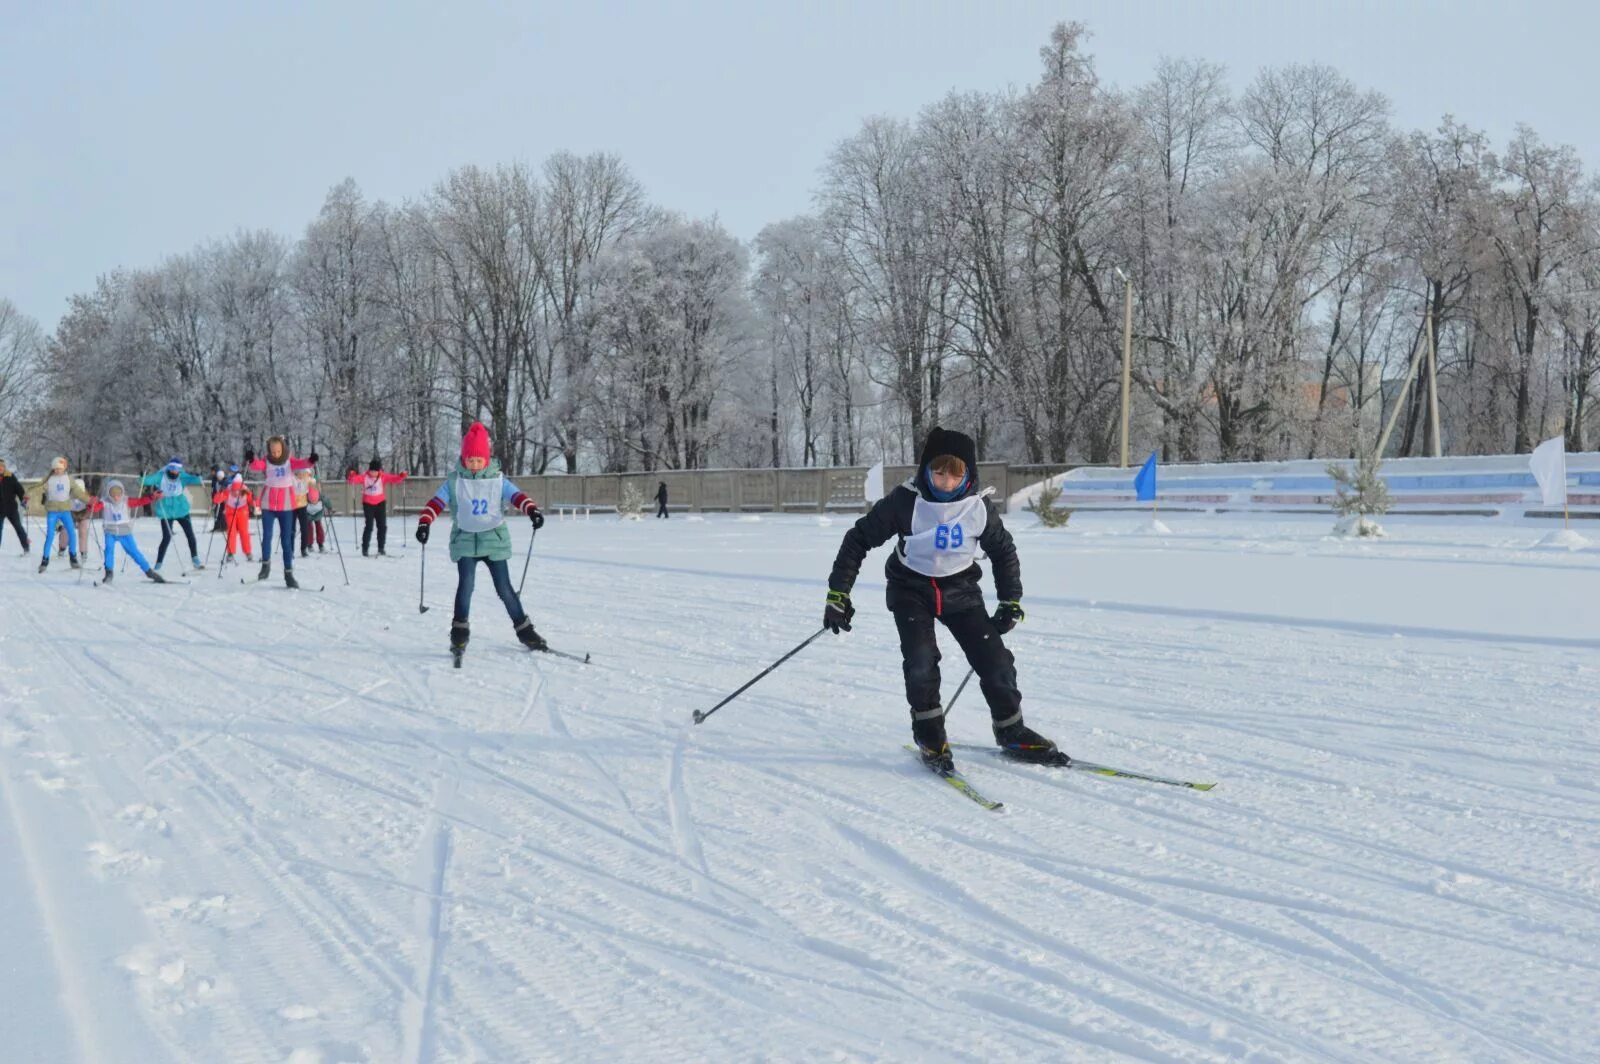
944, 496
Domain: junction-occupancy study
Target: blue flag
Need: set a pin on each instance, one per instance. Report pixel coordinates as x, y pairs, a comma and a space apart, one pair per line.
1144, 481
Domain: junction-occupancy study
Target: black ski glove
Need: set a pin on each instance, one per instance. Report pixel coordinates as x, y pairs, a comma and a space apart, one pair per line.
536, 517
249, 455
422, 533
836, 617
1007, 616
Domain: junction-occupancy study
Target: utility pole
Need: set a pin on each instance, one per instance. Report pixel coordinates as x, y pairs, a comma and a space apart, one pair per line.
1127, 356
1433, 390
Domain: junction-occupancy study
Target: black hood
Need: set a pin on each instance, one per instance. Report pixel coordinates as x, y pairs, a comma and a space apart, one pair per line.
947, 441
375, 466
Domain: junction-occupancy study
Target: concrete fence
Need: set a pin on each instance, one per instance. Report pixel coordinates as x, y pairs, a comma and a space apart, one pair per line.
800, 490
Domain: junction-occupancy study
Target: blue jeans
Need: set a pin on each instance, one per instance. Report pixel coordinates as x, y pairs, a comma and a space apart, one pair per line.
127, 544
285, 521
63, 518
466, 572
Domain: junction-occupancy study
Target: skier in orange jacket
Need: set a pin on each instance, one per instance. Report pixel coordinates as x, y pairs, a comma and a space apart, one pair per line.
238, 506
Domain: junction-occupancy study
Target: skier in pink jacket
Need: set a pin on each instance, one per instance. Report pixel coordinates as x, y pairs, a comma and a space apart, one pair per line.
278, 503
374, 502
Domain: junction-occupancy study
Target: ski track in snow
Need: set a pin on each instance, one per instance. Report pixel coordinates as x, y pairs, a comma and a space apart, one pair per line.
253, 826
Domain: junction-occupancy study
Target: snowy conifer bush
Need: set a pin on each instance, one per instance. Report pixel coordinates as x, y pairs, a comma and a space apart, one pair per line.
632, 505
1358, 493
1050, 515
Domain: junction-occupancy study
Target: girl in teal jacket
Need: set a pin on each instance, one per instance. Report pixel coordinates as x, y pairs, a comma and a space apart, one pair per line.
172, 486
477, 495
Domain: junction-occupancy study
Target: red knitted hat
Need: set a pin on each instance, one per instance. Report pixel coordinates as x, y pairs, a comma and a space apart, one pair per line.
475, 444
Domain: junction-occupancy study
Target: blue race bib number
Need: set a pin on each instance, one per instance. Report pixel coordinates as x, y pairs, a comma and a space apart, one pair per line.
948, 537
480, 507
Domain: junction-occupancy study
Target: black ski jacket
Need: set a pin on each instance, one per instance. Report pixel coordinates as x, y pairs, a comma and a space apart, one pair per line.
891, 516
11, 493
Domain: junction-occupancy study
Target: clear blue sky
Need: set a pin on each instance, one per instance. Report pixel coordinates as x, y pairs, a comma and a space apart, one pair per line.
132, 131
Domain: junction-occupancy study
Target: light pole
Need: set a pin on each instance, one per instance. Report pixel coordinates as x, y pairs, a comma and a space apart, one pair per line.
1127, 356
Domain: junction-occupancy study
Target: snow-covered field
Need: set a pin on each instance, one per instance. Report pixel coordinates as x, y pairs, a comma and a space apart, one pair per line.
243, 824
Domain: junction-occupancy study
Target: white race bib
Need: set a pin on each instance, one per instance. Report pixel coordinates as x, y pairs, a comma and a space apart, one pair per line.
58, 488
944, 535
478, 503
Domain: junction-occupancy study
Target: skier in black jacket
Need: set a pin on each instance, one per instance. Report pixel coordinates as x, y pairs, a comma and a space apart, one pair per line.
11, 498
942, 519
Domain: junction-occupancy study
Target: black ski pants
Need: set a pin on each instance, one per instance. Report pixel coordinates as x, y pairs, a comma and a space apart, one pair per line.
16, 523
377, 514
166, 537
986, 652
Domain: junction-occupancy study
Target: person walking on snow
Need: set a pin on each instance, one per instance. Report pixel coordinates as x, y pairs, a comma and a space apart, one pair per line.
57, 493
238, 505
306, 496
172, 486
941, 520
661, 500
374, 502
476, 494
277, 503
12, 502
220, 478
116, 515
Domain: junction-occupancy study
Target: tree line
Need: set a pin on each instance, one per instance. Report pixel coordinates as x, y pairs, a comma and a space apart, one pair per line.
1288, 252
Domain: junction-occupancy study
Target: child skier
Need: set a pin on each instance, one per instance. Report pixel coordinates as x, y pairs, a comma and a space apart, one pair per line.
476, 495
277, 503
172, 486
374, 502
116, 514
942, 519
80, 522
237, 504
306, 496
12, 500
57, 493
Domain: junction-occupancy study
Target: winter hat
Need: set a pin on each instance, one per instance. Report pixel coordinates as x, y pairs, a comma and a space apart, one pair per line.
112, 487
236, 482
375, 466
475, 444
174, 463
58, 460
233, 468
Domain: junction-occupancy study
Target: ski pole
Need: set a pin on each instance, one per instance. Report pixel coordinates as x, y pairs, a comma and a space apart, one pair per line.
525, 562
340, 553
699, 717
422, 583
952, 703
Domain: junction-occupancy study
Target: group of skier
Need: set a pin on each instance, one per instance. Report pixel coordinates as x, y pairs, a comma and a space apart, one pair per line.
940, 518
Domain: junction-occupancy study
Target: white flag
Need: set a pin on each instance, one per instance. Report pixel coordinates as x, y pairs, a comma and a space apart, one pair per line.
874, 487
1549, 465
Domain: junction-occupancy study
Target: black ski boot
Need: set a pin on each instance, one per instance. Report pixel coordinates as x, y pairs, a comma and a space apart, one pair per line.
1022, 743
927, 729
155, 577
289, 581
266, 571
45, 563
460, 632
109, 574
72, 560
530, 638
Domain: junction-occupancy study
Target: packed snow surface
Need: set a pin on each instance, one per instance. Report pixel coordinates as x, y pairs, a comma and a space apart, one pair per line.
246, 824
